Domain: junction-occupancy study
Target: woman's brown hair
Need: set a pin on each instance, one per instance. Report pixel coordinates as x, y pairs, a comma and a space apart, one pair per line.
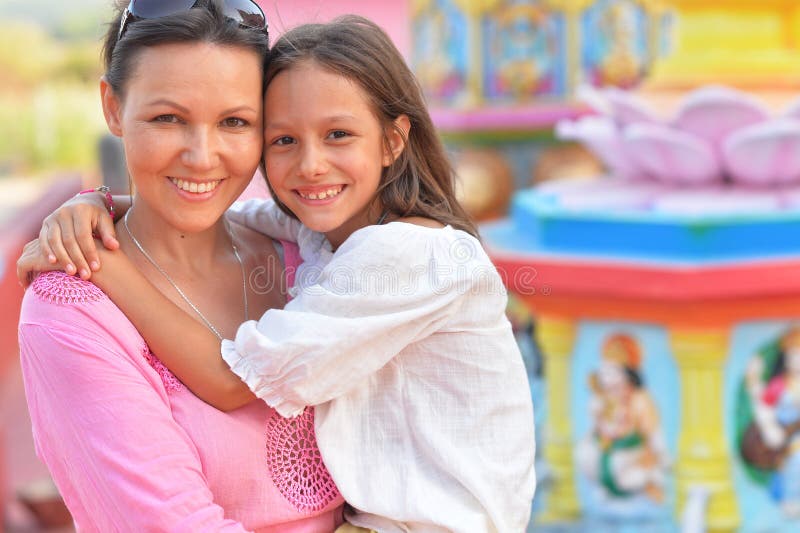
421, 180
204, 22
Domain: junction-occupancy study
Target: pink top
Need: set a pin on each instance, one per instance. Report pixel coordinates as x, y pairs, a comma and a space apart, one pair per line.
131, 449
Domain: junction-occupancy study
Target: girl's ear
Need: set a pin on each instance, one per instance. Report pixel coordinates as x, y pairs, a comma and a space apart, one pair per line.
112, 107
397, 136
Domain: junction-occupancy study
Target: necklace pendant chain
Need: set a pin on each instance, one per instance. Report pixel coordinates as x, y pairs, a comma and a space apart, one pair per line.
185, 298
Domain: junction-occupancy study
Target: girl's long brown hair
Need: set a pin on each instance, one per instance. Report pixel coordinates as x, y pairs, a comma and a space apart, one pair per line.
421, 180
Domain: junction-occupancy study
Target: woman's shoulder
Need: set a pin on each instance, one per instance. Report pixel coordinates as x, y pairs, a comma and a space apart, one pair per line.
264, 216
251, 240
60, 301
259, 249
62, 314
62, 289
64, 310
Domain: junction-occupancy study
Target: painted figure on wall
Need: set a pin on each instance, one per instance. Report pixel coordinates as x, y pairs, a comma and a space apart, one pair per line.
770, 443
624, 454
621, 67
440, 56
615, 45
522, 52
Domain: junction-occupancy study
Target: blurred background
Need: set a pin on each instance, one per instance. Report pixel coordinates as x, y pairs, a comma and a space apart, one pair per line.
48, 104
635, 166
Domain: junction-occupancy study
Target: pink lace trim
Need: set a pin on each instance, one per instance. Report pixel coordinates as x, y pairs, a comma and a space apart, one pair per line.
171, 383
60, 288
295, 462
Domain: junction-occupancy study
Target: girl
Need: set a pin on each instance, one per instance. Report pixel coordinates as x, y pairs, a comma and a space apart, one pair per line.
396, 331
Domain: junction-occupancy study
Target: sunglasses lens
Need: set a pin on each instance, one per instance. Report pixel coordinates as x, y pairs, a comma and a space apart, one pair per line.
247, 13
151, 9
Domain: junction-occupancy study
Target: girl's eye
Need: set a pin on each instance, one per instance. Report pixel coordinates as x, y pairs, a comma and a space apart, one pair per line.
338, 134
281, 141
234, 122
169, 119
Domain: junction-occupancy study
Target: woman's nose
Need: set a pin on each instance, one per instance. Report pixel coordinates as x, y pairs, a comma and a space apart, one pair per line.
202, 150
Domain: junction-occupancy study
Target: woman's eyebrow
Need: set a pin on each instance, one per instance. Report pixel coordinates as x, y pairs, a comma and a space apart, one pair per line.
170, 103
186, 110
239, 108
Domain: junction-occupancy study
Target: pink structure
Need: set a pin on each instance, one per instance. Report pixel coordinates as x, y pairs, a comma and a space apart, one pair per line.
391, 16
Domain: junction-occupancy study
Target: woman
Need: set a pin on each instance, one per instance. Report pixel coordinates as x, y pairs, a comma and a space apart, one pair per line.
130, 448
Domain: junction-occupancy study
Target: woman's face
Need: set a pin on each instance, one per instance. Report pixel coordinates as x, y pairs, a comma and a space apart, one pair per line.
191, 123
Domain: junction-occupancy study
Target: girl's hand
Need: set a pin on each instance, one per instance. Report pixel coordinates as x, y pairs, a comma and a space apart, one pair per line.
67, 235
31, 262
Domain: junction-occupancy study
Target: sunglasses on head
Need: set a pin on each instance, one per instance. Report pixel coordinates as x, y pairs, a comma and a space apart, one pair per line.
246, 13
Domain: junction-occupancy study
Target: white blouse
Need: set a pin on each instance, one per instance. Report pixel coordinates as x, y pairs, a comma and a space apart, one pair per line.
400, 340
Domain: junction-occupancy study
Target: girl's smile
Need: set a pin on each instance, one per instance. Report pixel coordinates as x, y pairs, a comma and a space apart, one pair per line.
318, 194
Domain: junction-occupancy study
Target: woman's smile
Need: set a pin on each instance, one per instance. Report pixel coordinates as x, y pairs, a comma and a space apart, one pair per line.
193, 186
192, 145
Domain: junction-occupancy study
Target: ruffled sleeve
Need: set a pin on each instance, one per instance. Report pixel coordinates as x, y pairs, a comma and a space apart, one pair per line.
384, 289
264, 216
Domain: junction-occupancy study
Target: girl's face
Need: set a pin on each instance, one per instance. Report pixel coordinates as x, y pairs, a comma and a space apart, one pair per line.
190, 121
324, 150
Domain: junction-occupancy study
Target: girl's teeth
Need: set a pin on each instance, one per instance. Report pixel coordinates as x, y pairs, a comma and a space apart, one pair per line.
330, 193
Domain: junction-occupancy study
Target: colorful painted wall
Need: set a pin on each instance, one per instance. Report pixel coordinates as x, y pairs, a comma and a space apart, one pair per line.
660, 286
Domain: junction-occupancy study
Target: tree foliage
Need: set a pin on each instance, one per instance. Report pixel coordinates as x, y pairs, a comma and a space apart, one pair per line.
49, 109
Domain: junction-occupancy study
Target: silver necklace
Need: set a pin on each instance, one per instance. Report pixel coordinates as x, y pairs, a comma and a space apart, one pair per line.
186, 299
